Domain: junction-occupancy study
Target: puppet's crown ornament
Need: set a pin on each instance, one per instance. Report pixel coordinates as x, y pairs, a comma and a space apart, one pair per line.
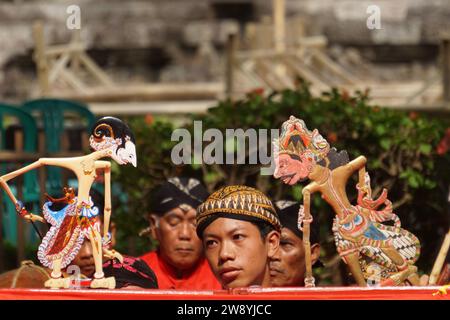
113, 134
295, 140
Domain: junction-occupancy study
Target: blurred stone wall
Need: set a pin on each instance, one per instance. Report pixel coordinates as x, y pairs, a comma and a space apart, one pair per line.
411, 22
183, 40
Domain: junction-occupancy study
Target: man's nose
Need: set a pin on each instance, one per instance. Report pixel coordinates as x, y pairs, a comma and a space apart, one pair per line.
86, 251
185, 232
226, 252
276, 256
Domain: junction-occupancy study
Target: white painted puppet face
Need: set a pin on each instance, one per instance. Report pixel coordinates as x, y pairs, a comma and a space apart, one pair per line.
114, 136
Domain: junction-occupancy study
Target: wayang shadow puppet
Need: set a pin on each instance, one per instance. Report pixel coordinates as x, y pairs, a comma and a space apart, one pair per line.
372, 249
78, 219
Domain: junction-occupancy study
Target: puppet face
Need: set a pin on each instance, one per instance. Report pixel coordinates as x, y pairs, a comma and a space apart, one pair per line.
125, 154
297, 151
113, 135
291, 170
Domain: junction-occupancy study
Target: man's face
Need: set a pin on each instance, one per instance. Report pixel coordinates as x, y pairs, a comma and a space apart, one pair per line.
85, 259
236, 252
287, 265
291, 170
179, 244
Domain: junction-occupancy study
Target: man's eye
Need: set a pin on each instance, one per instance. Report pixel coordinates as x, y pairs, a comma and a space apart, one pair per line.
174, 222
286, 244
238, 236
210, 243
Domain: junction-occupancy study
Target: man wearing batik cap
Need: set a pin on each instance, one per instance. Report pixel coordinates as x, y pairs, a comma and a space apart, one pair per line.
240, 229
178, 262
287, 266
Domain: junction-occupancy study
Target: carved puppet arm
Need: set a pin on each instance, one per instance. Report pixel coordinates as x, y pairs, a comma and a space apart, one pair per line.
106, 165
359, 164
19, 206
111, 254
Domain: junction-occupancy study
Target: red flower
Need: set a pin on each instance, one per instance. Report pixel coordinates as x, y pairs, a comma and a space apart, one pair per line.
413, 115
332, 137
257, 92
444, 144
149, 119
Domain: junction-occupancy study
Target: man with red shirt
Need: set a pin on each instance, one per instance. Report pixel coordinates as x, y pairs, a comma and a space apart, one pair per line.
178, 262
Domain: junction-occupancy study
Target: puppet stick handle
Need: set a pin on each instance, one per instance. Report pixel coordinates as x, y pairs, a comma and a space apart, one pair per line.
440, 259
107, 213
36, 229
309, 279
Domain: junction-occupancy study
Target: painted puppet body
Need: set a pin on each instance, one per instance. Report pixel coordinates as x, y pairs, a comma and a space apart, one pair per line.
53, 253
358, 229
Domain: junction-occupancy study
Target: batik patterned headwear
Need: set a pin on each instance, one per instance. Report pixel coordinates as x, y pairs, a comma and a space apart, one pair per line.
178, 192
296, 139
237, 202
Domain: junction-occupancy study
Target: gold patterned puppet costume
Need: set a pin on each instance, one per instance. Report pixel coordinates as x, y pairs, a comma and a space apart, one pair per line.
373, 251
69, 227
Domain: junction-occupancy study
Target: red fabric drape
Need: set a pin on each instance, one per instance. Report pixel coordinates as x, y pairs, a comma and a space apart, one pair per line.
322, 293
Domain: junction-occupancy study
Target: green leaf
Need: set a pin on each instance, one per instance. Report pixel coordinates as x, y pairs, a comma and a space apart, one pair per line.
385, 144
380, 129
296, 192
425, 149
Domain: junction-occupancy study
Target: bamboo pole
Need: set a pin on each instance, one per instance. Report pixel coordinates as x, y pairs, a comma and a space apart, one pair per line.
58, 66
40, 58
230, 64
440, 260
445, 56
76, 40
95, 70
279, 25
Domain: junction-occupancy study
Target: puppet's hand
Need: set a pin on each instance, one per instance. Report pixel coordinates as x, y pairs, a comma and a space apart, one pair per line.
106, 241
33, 217
363, 189
21, 211
113, 254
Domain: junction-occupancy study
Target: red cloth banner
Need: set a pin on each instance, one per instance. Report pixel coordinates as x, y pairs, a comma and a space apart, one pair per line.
322, 293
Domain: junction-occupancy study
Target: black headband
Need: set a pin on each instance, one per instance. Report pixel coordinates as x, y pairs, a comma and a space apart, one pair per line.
176, 192
288, 214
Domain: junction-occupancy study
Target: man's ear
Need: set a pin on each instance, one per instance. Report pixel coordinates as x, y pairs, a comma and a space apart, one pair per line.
153, 220
273, 243
315, 253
